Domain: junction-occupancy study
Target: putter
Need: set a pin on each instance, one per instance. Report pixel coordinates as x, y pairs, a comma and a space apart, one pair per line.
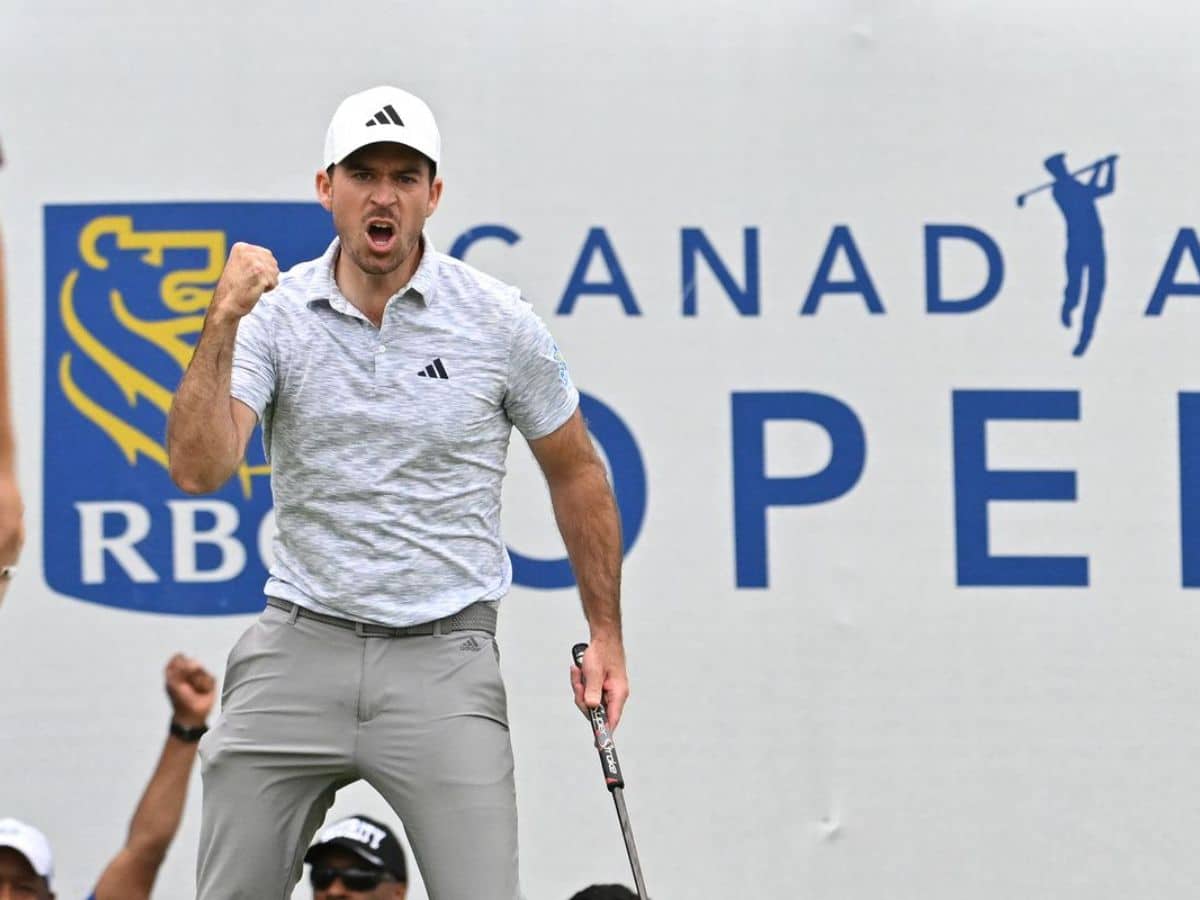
612, 777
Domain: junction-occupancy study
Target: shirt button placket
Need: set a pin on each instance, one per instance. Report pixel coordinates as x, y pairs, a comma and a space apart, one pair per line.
382, 354
380, 365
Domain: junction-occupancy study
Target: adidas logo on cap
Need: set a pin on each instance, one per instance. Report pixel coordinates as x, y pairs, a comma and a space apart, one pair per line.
386, 116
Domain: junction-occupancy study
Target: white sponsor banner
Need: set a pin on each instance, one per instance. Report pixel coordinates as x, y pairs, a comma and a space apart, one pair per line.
885, 313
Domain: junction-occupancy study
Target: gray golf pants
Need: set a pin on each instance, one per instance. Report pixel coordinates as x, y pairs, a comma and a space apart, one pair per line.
308, 707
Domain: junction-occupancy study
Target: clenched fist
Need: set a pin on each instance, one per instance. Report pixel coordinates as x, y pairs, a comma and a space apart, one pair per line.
249, 273
191, 690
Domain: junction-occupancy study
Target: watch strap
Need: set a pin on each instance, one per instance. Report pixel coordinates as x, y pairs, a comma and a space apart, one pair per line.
189, 735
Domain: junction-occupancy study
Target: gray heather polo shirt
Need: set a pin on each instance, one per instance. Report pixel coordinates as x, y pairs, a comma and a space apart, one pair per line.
387, 446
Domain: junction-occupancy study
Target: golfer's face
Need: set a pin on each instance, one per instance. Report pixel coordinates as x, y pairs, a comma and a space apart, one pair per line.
380, 197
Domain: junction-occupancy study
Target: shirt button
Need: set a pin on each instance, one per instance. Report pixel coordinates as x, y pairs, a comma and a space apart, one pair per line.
381, 349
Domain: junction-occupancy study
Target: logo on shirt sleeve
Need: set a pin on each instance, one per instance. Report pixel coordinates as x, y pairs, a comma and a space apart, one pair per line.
563, 375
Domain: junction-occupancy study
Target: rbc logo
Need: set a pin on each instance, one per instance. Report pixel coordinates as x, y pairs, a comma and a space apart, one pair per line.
127, 287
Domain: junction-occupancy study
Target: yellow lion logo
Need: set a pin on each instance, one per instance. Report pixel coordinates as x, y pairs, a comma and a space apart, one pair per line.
185, 293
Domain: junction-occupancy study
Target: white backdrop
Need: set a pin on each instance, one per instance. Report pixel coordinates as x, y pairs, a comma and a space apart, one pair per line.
864, 727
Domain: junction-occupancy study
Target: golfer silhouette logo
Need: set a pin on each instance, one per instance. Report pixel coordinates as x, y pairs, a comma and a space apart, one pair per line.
1076, 194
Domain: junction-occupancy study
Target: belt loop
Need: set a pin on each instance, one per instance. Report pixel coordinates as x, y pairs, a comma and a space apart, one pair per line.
294, 614
437, 627
360, 628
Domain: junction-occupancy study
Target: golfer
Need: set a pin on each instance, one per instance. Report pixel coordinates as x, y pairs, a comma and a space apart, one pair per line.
387, 378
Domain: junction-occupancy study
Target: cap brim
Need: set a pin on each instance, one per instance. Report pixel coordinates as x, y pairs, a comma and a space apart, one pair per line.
345, 844
364, 136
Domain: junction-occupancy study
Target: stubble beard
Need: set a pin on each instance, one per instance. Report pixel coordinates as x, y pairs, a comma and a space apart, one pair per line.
371, 264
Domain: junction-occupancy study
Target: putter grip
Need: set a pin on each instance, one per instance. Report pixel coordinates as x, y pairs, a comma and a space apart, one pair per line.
609, 763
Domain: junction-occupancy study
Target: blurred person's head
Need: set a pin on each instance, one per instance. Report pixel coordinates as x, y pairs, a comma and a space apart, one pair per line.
356, 859
26, 863
606, 892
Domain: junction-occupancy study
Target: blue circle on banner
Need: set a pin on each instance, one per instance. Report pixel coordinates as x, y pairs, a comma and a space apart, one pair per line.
629, 486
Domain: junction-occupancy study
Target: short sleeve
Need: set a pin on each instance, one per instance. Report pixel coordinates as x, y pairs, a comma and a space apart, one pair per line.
540, 396
253, 362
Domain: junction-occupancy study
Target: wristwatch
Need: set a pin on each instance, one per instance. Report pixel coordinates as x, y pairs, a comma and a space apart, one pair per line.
189, 735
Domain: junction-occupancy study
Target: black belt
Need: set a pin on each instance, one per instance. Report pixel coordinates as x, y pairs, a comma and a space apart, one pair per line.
478, 616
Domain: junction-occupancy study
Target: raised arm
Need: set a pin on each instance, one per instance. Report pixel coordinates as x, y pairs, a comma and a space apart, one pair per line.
1102, 181
1110, 181
12, 530
207, 430
587, 518
131, 874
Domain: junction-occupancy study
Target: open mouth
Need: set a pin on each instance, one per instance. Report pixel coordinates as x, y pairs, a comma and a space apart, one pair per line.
381, 235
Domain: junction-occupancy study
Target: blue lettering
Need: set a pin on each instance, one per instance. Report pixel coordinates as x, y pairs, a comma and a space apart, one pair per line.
1189, 486
617, 285
695, 242
464, 241
934, 301
754, 492
629, 486
975, 485
1185, 242
860, 283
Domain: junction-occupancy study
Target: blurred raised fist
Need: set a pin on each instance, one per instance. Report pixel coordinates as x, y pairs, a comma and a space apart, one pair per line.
191, 690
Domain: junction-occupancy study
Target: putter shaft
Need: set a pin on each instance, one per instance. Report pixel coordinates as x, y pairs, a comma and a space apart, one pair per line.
630, 846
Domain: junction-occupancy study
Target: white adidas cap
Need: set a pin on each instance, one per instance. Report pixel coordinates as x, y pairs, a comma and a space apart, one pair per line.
382, 114
30, 843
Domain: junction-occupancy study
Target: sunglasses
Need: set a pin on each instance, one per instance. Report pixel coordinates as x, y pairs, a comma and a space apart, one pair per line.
354, 879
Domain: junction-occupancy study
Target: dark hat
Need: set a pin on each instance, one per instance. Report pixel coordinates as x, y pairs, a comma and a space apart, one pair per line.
367, 839
605, 892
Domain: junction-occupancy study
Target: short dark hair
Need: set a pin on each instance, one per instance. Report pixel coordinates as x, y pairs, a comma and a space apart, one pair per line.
606, 892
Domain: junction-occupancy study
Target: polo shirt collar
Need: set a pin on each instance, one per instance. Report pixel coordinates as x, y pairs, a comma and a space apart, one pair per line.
424, 280
324, 286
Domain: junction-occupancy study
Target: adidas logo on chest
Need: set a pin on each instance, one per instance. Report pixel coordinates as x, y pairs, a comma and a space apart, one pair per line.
435, 369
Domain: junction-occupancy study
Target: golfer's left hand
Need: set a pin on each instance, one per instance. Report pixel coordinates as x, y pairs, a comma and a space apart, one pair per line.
602, 678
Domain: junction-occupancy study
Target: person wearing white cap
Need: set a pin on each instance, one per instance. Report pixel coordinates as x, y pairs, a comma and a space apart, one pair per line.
387, 378
26, 863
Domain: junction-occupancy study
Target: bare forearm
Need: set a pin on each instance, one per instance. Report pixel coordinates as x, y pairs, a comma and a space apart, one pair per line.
202, 438
591, 529
160, 810
133, 871
6, 428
